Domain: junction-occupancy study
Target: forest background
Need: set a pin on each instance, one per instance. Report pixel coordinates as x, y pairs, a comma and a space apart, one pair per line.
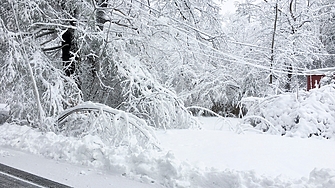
156, 59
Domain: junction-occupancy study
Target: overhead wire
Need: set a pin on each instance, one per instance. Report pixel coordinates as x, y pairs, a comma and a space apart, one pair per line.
232, 58
228, 40
244, 60
281, 69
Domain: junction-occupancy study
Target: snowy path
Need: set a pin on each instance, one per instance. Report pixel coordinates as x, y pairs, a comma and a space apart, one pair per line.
265, 154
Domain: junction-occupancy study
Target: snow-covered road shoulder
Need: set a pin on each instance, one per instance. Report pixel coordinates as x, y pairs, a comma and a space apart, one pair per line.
197, 158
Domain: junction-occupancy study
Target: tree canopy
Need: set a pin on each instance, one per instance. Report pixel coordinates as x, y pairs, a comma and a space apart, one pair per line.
152, 58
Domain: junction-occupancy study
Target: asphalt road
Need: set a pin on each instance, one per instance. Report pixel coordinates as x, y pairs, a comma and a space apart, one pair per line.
14, 178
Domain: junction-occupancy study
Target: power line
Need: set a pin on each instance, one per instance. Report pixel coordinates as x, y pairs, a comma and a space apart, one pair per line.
228, 40
231, 57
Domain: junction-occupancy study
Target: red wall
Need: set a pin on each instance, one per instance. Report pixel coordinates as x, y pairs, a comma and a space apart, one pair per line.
313, 81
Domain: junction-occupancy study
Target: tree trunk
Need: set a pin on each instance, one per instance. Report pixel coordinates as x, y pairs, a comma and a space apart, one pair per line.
31, 75
67, 58
101, 16
68, 43
289, 78
273, 41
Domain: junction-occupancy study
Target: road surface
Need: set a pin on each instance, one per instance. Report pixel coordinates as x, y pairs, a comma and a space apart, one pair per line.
14, 178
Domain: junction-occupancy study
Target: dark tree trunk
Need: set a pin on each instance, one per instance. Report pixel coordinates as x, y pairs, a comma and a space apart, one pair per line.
101, 16
289, 78
273, 42
67, 45
68, 42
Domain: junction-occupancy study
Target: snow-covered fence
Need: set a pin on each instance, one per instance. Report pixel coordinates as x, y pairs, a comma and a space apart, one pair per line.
113, 126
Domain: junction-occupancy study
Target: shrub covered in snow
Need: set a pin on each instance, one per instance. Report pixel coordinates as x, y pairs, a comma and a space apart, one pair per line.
328, 79
302, 114
114, 127
4, 113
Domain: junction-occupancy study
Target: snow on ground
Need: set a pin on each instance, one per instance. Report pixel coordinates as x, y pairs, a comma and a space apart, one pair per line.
216, 146
211, 157
69, 174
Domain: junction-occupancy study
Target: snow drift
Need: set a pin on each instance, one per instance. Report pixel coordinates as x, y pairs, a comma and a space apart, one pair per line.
146, 165
302, 114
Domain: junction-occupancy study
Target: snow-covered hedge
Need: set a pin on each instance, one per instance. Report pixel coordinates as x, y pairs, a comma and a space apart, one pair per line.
302, 114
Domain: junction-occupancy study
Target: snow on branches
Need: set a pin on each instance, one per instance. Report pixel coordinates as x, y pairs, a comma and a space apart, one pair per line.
113, 126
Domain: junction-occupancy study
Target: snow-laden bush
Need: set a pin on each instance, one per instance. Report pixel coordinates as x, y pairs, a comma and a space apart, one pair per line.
215, 90
328, 79
114, 127
302, 114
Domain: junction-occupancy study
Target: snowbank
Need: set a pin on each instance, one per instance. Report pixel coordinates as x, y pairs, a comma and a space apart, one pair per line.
146, 165
304, 114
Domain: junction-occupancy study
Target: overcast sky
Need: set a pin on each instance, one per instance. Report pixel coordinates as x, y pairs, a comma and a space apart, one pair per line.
228, 5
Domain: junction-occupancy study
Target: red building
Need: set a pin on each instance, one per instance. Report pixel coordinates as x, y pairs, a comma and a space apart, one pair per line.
314, 77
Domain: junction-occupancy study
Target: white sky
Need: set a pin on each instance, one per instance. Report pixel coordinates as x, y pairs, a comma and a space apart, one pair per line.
228, 5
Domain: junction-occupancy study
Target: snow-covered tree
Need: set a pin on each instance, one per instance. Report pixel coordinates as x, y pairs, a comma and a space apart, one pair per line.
114, 52
281, 35
32, 83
